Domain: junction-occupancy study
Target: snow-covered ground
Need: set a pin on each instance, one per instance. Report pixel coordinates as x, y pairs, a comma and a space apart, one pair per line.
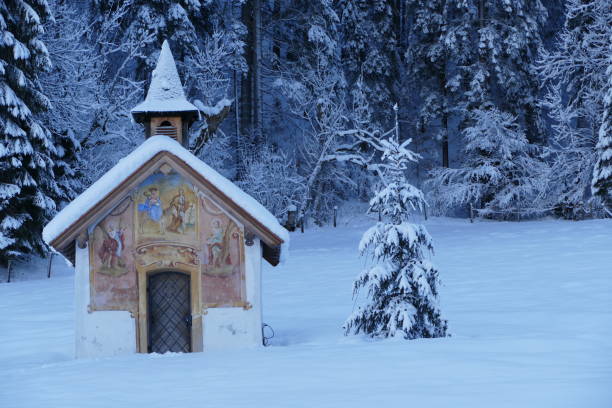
529, 305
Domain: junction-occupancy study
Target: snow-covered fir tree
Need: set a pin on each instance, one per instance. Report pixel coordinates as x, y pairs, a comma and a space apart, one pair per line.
149, 23
27, 183
500, 171
464, 56
67, 167
505, 36
401, 282
574, 74
602, 174
437, 53
369, 49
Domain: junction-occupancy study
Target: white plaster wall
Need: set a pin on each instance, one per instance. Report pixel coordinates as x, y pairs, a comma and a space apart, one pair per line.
98, 334
234, 327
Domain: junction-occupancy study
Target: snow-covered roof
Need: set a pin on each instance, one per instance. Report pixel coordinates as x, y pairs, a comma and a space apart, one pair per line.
127, 166
166, 92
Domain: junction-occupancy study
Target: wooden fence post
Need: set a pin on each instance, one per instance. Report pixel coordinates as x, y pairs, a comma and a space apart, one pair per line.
302, 223
10, 264
291, 216
49, 265
471, 213
335, 214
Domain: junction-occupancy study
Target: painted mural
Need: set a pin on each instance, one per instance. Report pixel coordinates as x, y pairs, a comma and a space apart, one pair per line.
166, 222
114, 277
223, 263
167, 209
165, 255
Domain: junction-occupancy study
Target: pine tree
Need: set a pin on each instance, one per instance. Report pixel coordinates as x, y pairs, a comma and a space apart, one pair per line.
199, 32
506, 36
436, 52
602, 174
149, 23
251, 117
467, 55
574, 75
500, 172
67, 167
369, 48
402, 284
27, 182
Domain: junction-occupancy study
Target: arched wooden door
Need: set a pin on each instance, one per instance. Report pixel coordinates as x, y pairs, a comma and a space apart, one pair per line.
169, 314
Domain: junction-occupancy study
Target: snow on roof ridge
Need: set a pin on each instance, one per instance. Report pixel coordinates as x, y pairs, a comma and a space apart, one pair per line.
165, 93
89, 198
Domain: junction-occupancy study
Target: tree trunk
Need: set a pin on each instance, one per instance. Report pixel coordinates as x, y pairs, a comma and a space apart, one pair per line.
239, 170
447, 102
258, 105
445, 162
250, 109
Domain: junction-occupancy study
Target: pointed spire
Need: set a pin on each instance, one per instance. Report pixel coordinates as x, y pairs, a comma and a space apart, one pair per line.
165, 82
166, 92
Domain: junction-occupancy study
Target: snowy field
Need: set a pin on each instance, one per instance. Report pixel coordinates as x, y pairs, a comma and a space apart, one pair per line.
529, 305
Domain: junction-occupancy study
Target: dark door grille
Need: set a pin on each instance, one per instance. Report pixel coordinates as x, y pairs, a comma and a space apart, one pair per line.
169, 312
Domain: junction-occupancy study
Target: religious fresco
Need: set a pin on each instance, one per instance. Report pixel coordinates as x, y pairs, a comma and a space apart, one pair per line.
222, 259
164, 255
166, 222
166, 209
114, 284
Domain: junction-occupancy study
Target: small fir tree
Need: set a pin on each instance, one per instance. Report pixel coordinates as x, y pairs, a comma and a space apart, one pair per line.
602, 174
401, 283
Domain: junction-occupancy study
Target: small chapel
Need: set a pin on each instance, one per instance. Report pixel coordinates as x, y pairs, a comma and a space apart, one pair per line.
167, 252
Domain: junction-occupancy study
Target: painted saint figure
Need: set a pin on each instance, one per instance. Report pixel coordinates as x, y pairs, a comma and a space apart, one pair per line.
153, 208
112, 248
218, 246
177, 210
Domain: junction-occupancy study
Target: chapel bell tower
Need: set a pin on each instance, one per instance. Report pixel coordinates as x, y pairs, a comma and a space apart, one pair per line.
165, 111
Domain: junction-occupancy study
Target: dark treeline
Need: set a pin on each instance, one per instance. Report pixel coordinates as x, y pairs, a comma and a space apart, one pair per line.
506, 102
